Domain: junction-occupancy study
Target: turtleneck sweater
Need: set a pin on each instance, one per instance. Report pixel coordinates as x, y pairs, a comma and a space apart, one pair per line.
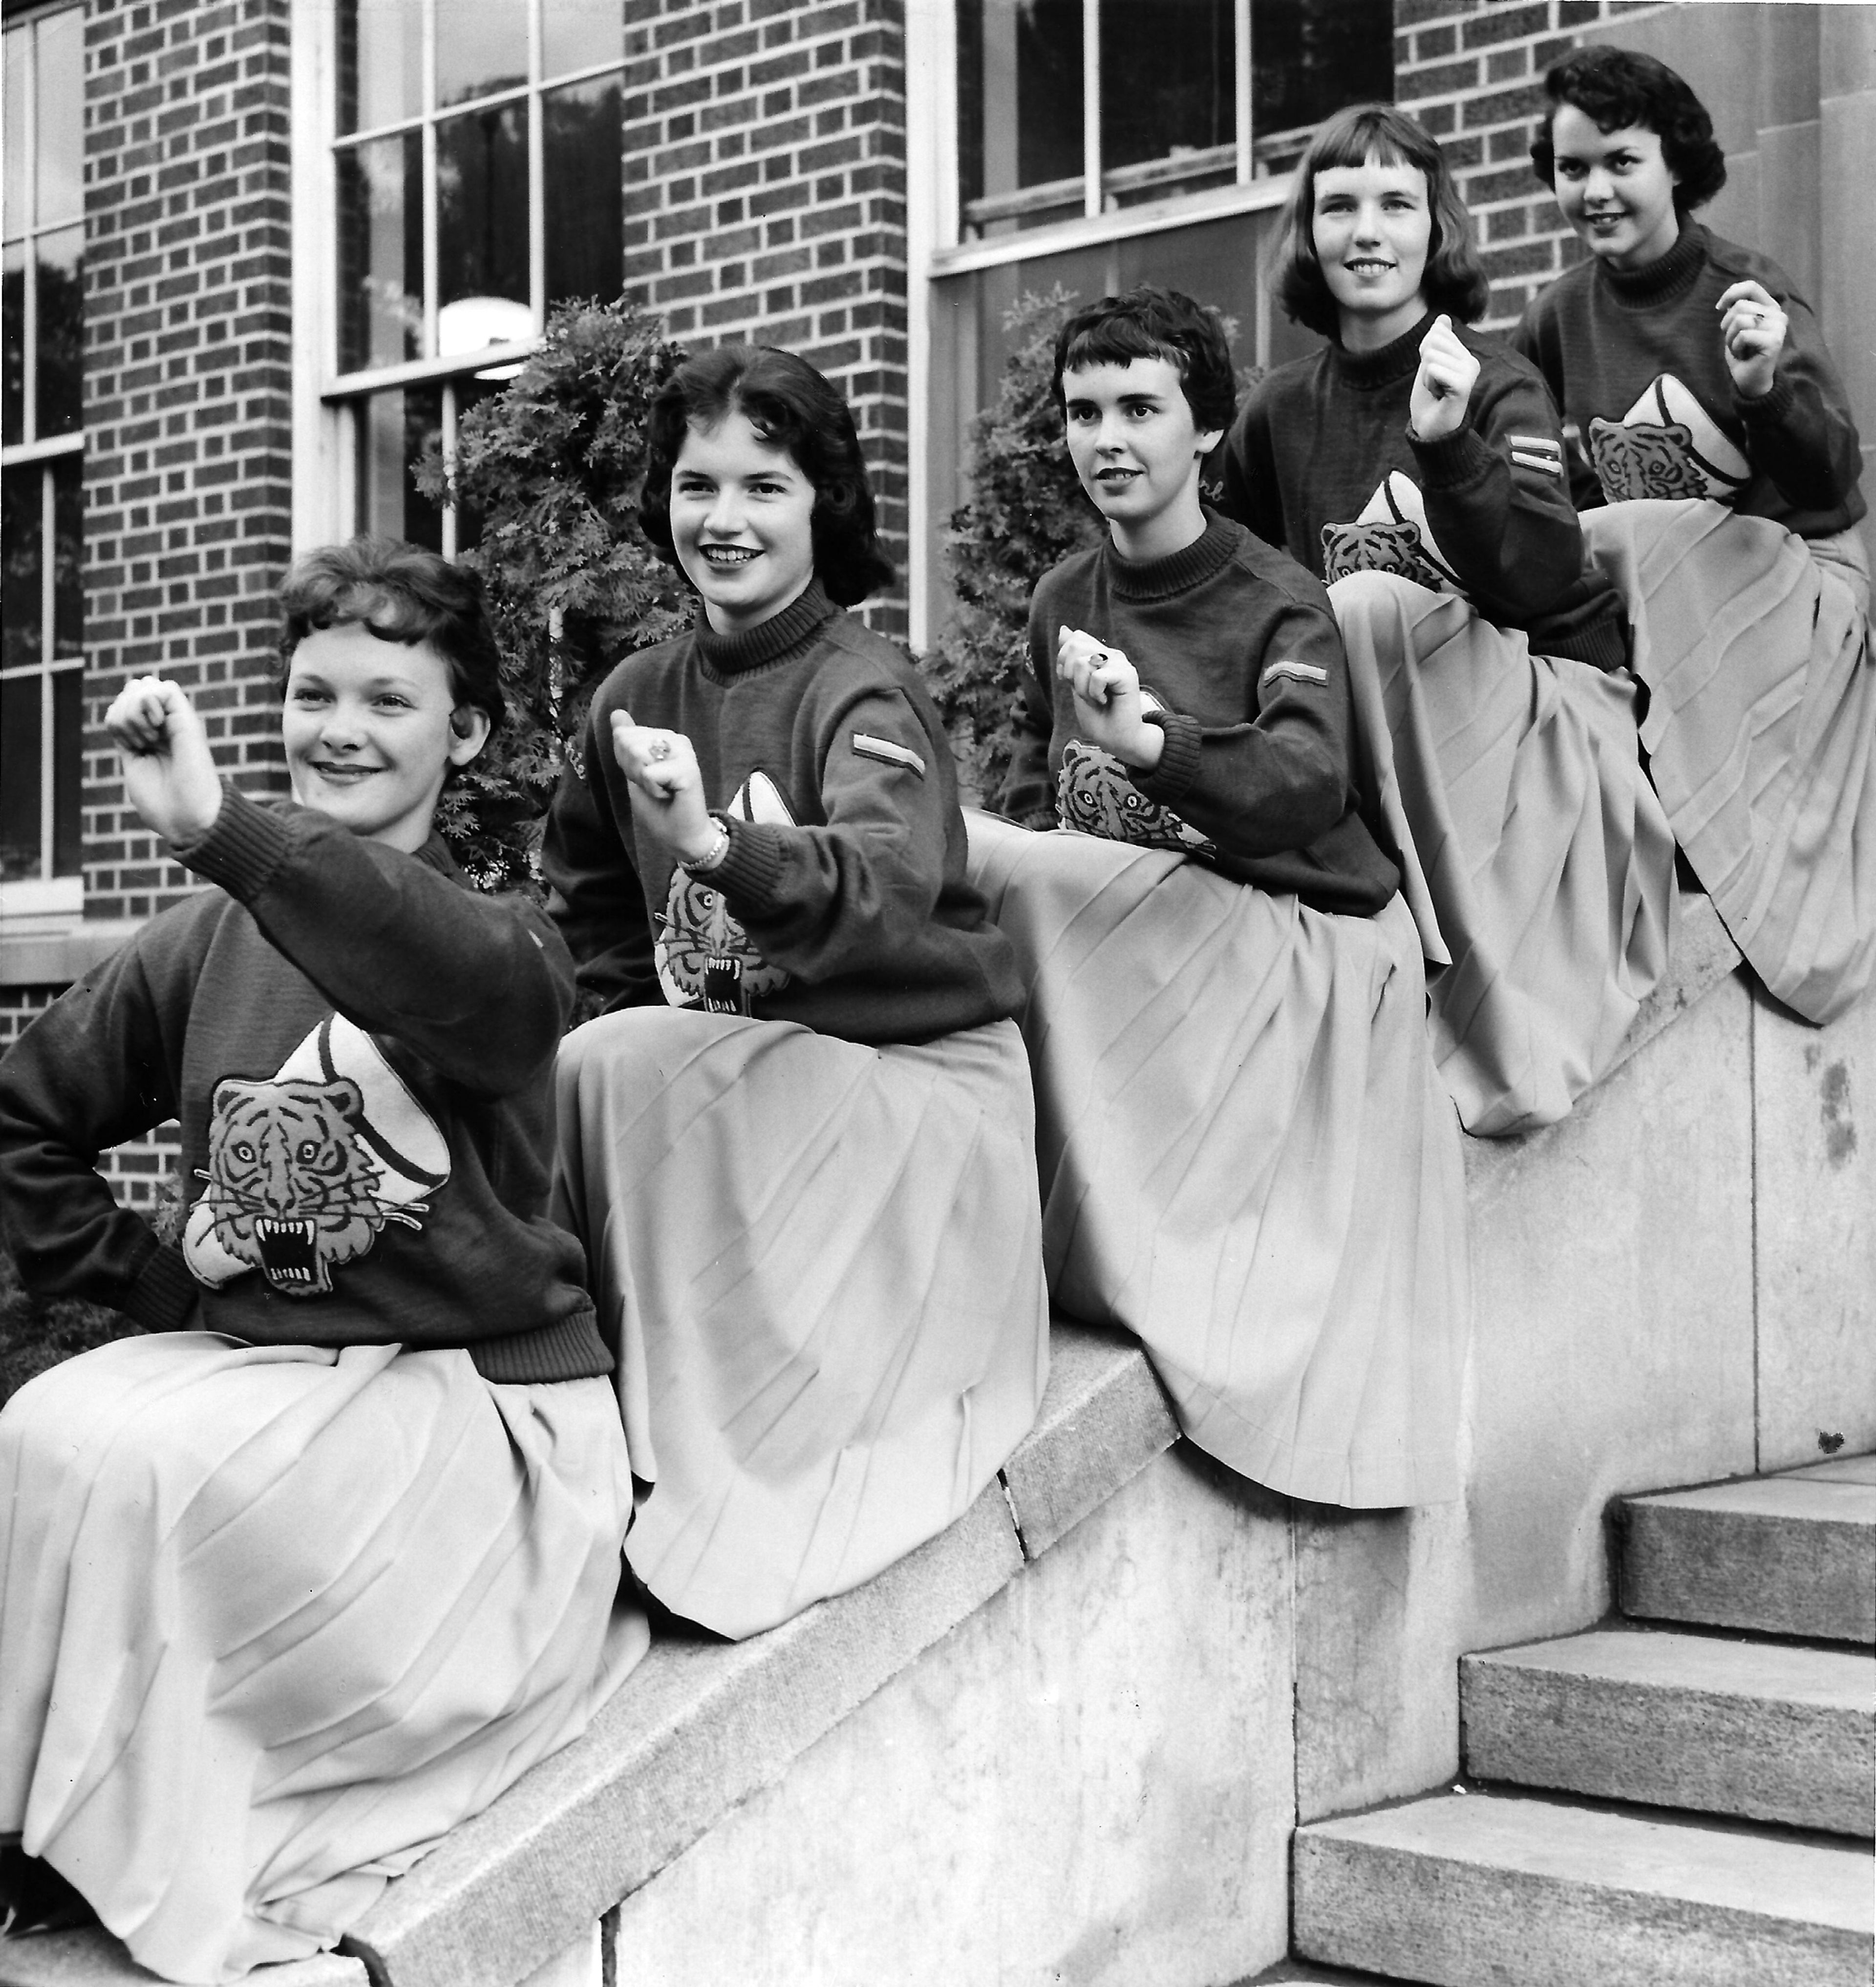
1601, 337
1317, 439
1237, 644
845, 876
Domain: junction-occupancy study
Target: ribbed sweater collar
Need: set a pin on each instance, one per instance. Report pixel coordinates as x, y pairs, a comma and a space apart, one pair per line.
1663, 280
1156, 579
781, 634
1364, 371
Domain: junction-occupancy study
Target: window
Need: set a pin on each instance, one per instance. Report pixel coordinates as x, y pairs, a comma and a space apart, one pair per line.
478, 181
42, 461
1082, 107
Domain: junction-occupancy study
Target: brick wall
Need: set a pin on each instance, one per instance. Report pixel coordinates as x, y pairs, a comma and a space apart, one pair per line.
187, 331
765, 198
1471, 72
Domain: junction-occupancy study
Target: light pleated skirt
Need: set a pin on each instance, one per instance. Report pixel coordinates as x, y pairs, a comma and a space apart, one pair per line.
275, 1618
1247, 1159
818, 1264
1755, 647
1548, 858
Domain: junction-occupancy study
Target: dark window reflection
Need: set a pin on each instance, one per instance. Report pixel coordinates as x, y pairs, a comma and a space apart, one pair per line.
394, 430
480, 48
482, 205
69, 555
22, 506
380, 63
19, 777
13, 358
583, 208
1019, 94
68, 772
61, 368
1312, 58
580, 34
380, 252
1167, 76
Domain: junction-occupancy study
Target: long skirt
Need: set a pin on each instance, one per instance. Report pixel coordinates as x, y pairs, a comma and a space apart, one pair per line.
1548, 858
1755, 647
1247, 1159
818, 1264
275, 1618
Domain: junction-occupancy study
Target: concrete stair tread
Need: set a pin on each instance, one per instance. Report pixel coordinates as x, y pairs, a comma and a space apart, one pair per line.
1763, 1731
1787, 1555
1465, 1890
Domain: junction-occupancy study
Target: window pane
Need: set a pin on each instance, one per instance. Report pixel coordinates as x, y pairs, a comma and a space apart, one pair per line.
19, 777
380, 62
14, 112
1312, 56
583, 210
68, 772
394, 430
62, 116
471, 392
380, 252
68, 555
13, 340
1166, 79
60, 371
578, 34
1019, 94
21, 509
482, 212
480, 48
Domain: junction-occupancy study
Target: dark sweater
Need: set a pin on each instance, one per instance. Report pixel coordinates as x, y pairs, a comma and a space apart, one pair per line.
1239, 648
842, 904
1317, 438
359, 1048
1601, 337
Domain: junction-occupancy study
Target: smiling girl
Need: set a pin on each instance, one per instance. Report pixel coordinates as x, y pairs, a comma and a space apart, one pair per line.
799, 1143
1417, 466
316, 1566
1718, 465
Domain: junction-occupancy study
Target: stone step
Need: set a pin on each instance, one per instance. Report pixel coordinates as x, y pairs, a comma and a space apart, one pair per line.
1788, 1555
1763, 1731
1487, 1890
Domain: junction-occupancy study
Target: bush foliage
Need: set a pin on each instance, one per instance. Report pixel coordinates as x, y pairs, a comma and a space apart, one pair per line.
1026, 512
553, 466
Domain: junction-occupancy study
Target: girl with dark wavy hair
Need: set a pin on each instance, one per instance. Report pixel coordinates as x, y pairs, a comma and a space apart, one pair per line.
1417, 466
1714, 457
798, 1142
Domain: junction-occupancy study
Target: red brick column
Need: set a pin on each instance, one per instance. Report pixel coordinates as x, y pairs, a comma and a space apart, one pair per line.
765, 198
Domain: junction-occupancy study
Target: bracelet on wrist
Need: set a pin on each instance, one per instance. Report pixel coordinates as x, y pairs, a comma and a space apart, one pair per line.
712, 857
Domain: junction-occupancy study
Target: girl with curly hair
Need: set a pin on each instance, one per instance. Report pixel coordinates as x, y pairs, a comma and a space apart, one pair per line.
798, 1140
1712, 451
1416, 466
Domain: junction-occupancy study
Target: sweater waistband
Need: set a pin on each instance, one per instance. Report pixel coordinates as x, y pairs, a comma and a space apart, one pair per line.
570, 1348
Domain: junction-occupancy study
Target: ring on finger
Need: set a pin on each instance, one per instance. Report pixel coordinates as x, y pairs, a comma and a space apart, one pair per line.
659, 748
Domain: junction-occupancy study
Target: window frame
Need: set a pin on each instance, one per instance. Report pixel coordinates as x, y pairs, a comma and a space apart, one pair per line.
48, 896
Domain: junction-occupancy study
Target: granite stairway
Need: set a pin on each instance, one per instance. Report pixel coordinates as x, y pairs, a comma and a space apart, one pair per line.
1683, 1796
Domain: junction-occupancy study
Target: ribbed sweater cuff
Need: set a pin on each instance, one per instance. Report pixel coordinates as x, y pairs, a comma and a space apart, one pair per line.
569, 1349
244, 845
752, 869
1770, 410
164, 1295
1452, 460
1168, 781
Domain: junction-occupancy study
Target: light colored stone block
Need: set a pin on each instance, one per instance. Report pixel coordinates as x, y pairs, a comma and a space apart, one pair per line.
1089, 1781
1780, 1555
1761, 1731
1704, 955
93, 1958
1104, 1418
1476, 1890
1815, 1162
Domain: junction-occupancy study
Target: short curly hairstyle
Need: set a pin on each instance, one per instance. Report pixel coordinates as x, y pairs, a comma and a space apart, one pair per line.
401, 593
1455, 279
1151, 323
792, 407
1615, 88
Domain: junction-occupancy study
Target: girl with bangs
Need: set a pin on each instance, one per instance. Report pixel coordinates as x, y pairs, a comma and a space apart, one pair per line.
1713, 452
1417, 466
798, 1140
